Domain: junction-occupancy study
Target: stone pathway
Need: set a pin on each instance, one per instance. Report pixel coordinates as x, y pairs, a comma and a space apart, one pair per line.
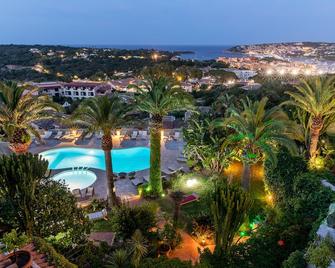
188, 250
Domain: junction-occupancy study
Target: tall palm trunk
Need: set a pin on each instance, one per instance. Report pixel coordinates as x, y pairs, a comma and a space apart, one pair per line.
246, 176
317, 124
155, 155
107, 146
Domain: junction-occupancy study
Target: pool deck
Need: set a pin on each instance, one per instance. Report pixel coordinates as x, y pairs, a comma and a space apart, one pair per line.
171, 150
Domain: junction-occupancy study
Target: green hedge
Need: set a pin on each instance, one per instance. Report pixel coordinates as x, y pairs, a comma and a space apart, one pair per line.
53, 257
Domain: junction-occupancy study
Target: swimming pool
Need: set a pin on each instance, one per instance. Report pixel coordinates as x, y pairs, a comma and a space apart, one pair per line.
124, 160
76, 179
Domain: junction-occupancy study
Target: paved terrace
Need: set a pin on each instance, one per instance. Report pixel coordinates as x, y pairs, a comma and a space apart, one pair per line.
171, 150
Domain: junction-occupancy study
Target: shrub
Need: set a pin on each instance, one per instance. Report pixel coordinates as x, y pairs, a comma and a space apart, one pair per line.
163, 262
310, 199
295, 260
321, 253
126, 220
279, 179
13, 240
89, 255
170, 235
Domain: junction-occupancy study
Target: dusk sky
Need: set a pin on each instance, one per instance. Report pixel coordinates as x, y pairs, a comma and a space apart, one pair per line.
165, 22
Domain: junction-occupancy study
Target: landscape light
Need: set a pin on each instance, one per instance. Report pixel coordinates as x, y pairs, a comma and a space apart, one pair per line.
269, 198
269, 72
295, 72
282, 72
308, 72
191, 182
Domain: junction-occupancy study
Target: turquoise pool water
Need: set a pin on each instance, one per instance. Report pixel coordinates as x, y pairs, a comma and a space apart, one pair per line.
76, 179
124, 160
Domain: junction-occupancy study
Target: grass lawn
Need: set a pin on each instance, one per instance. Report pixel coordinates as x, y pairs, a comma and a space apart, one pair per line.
101, 226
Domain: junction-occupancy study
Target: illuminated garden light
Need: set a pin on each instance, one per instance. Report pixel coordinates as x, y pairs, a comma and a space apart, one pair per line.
295, 72
308, 72
269, 72
282, 72
191, 182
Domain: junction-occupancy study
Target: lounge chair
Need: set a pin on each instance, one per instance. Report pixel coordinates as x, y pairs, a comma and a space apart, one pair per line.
46, 135
189, 199
176, 135
169, 172
76, 193
59, 135
181, 159
122, 175
89, 192
175, 169
146, 178
131, 175
99, 135
144, 135
89, 135
137, 181
98, 215
134, 135
37, 142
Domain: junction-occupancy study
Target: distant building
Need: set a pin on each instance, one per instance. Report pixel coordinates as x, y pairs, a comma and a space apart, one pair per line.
74, 90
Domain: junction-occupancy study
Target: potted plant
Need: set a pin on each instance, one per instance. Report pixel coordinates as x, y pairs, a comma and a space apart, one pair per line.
164, 249
12, 242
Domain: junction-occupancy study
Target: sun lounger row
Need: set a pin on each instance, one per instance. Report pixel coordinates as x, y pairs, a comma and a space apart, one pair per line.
171, 171
83, 194
143, 180
124, 175
141, 134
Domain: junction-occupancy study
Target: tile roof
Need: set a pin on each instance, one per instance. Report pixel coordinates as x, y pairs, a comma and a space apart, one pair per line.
39, 259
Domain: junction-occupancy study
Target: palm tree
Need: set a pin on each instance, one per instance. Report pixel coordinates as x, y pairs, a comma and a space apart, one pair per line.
20, 107
256, 134
158, 97
317, 98
103, 114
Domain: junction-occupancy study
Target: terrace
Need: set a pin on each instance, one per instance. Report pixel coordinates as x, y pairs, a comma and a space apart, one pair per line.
171, 150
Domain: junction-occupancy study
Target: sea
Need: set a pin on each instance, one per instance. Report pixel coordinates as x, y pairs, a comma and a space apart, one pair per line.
201, 53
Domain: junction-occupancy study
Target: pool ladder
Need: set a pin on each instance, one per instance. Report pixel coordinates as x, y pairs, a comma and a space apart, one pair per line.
80, 170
